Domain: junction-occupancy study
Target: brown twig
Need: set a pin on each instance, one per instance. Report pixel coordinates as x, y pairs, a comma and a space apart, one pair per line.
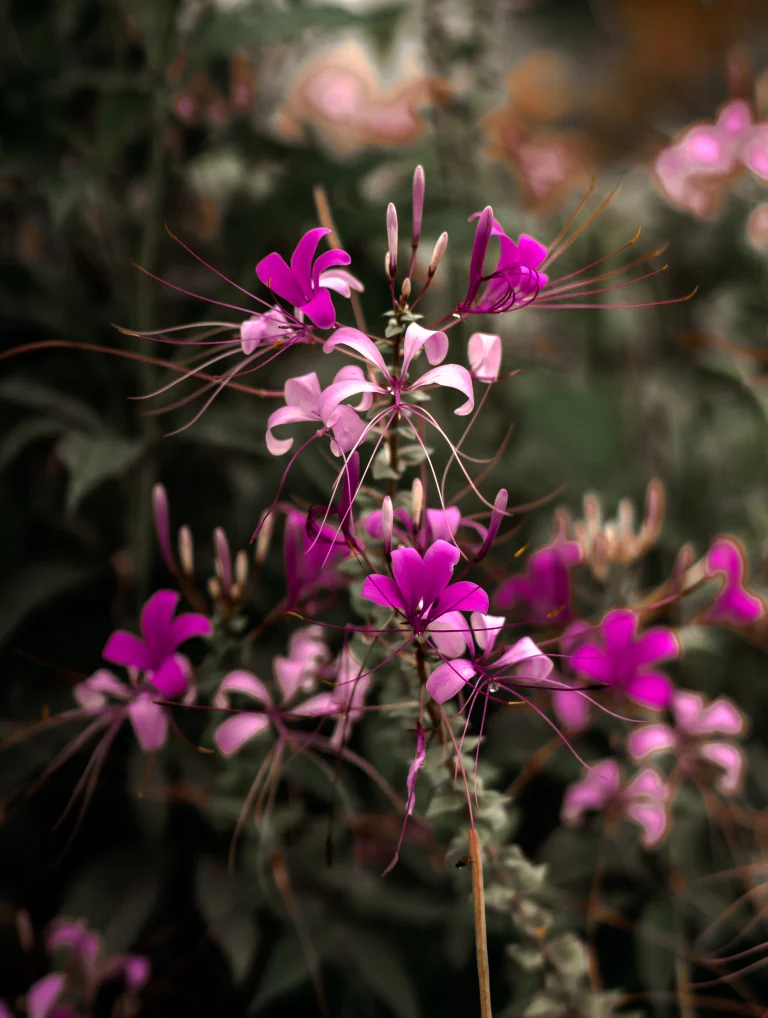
481, 940
326, 220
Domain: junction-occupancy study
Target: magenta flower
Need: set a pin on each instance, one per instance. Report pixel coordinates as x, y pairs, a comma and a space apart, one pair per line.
303, 398
689, 739
571, 708
86, 971
523, 661
545, 588
516, 280
622, 659
420, 587
416, 338
312, 554
154, 653
111, 701
307, 653
734, 605
434, 525
305, 284
644, 800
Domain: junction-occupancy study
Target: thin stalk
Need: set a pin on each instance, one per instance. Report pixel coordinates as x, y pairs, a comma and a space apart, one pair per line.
481, 939
326, 220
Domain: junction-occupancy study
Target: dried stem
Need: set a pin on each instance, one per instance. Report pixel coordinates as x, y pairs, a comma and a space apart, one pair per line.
481, 941
326, 220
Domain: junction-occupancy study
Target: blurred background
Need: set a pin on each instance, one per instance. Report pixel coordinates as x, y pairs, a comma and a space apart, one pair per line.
217, 119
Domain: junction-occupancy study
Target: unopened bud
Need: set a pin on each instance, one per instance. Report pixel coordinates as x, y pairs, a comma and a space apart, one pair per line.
24, 930
241, 569
497, 515
626, 518
223, 559
162, 524
265, 530
654, 512
418, 204
186, 551
214, 588
387, 522
405, 289
392, 239
593, 515
417, 502
437, 254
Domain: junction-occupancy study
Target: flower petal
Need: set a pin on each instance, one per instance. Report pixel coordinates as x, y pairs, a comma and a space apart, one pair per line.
591, 661
303, 392
652, 818
730, 759
410, 576
347, 428
416, 337
92, 693
383, 590
449, 678
329, 260
172, 677
721, 717
360, 343
647, 783
442, 524
285, 415
127, 649
524, 650
156, 616
452, 376
484, 352
273, 272
43, 994
486, 629
450, 634
686, 708
149, 721
338, 391
572, 708
651, 689
303, 256
237, 730
649, 739
189, 625
461, 596
437, 569
241, 682
320, 309
341, 281
592, 793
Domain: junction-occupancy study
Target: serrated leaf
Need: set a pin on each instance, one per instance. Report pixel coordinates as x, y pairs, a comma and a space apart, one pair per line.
92, 459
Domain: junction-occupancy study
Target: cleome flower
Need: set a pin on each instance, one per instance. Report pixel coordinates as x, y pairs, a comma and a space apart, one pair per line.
644, 800
304, 402
307, 283
420, 588
689, 738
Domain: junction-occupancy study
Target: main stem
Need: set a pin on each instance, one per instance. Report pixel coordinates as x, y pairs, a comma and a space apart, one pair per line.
481, 939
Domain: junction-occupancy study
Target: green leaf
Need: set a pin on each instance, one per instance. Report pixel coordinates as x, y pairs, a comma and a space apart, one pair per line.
26, 432
382, 972
655, 962
92, 459
286, 969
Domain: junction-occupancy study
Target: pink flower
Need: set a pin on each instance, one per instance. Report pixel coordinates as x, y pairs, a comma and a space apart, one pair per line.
516, 280
269, 327
689, 738
303, 398
416, 338
546, 586
621, 659
311, 558
734, 605
644, 800
523, 661
154, 653
420, 587
307, 282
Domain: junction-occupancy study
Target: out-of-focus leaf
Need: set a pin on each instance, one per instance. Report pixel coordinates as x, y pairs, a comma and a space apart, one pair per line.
382, 972
225, 909
91, 459
38, 396
286, 970
16, 439
32, 587
656, 961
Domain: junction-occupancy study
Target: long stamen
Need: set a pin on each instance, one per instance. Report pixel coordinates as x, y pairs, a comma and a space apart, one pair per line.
555, 252
556, 289
599, 261
210, 267
605, 289
639, 304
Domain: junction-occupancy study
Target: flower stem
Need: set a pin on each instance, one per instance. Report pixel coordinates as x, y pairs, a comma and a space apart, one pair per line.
481, 940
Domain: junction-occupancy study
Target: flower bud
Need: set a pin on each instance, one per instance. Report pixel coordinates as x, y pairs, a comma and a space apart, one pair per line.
186, 551
392, 239
241, 569
497, 515
264, 531
654, 513
405, 289
437, 254
417, 502
223, 559
418, 204
387, 522
162, 525
214, 588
